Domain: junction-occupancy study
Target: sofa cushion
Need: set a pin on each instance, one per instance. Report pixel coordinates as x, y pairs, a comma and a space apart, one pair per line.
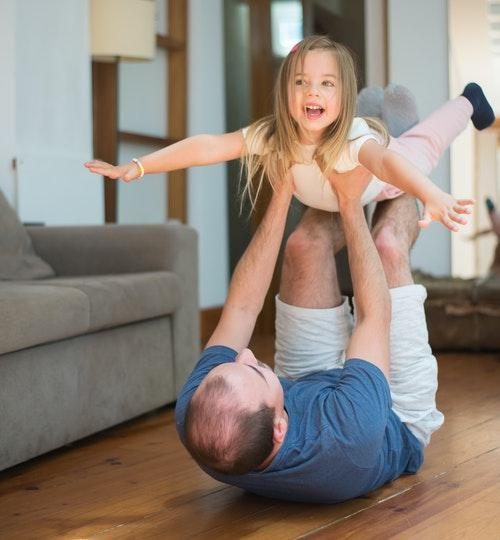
446, 289
36, 312
17, 257
125, 298
33, 313
488, 291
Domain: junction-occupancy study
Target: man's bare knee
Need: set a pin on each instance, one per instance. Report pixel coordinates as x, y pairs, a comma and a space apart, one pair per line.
391, 248
308, 277
394, 252
399, 217
305, 243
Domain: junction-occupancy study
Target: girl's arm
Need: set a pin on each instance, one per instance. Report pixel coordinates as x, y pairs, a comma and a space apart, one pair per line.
393, 168
190, 152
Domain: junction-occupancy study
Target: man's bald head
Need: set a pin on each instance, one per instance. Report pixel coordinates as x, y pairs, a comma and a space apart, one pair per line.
224, 429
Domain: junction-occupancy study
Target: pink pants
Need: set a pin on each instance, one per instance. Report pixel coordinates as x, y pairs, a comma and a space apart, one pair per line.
424, 144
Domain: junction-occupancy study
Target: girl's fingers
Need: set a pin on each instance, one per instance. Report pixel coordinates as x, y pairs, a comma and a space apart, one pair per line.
462, 209
107, 174
466, 202
95, 163
450, 224
425, 221
96, 168
457, 218
103, 172
450, 220
100, 167
109, 171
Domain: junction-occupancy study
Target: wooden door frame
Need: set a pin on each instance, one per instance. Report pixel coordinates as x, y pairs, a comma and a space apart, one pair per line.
105, 122
176, 45
262, 83
105, 113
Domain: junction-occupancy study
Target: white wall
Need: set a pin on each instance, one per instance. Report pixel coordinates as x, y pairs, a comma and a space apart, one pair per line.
53, 114
473, 157
144, 201
418, 59
7, 98
207, 210
486, 182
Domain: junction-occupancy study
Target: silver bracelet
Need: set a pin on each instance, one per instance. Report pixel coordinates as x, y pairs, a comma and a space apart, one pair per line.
141, 168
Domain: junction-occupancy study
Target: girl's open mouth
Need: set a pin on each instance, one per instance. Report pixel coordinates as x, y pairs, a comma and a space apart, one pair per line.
313, 112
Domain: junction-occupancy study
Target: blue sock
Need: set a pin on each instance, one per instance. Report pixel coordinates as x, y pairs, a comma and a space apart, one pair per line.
483, 115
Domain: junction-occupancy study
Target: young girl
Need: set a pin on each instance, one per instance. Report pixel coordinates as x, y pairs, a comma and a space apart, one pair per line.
313, 132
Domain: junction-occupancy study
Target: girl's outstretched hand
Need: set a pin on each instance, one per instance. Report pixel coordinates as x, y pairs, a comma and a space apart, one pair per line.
449, 211
126, 172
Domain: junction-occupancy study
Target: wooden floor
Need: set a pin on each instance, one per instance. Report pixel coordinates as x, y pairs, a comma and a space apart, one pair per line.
137, 482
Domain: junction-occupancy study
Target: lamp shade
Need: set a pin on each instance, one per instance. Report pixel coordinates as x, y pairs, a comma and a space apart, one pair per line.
122, 28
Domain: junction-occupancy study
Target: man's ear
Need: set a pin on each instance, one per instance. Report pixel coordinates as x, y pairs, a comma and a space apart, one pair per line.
279, 429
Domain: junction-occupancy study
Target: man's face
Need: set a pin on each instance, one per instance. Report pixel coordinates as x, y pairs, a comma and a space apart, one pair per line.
315, 94
253, 381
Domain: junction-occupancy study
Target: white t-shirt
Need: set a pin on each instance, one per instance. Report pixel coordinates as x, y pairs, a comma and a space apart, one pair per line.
311, 187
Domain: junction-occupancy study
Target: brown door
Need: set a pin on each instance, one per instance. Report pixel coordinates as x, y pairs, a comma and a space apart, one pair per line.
251, 68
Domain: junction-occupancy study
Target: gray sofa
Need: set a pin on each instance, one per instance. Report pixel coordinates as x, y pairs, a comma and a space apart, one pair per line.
108, 330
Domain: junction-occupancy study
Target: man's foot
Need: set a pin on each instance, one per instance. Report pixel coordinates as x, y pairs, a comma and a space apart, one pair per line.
483, 115
370, 101
399, 109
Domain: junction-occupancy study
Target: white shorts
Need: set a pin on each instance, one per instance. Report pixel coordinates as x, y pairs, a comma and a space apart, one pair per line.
309, 340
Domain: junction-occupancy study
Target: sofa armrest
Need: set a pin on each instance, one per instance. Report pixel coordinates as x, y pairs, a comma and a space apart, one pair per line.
113, 249
119, 249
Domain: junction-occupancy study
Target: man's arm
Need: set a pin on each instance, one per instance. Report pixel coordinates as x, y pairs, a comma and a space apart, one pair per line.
252, 276
370, 338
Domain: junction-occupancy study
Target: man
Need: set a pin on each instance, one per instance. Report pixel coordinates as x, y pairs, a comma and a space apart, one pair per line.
326, 430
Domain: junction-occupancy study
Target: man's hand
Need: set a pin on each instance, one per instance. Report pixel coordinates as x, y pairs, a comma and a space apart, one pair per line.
441, 206
351, 184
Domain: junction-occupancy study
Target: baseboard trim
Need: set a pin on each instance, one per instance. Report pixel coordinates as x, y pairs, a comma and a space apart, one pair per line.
209, 318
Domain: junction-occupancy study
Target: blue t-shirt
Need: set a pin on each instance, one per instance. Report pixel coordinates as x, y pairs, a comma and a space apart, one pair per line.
343, 439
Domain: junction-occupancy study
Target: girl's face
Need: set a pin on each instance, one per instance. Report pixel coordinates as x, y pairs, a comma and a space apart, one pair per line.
315, 94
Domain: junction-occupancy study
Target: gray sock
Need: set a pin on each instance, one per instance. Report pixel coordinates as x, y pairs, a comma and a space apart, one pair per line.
399, 109
370, 101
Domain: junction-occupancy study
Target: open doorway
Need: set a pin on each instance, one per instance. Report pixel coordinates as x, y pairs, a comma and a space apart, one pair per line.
257, 37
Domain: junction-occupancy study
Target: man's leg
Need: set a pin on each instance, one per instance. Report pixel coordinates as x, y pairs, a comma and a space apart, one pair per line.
309, 275
413, 368
313, 321
395, 230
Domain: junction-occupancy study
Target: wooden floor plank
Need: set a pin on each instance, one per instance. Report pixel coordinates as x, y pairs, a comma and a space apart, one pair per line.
136, 481
461, 503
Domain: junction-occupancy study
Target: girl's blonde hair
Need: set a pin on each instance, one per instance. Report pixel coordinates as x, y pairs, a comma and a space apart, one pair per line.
272, 143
